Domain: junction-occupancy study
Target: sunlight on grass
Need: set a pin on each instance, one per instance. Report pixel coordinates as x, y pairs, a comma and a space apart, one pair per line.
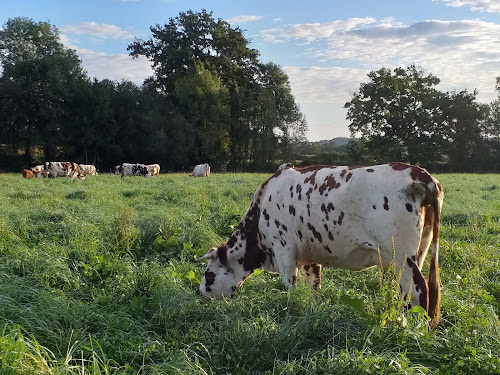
100, 277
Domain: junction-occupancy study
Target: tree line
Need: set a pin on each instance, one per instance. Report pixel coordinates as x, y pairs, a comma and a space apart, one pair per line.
210, 99
401, 115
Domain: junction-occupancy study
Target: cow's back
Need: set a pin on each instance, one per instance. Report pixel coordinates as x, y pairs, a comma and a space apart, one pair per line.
339, 216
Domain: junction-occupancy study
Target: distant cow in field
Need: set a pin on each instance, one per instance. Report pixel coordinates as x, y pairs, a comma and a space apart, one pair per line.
88, 169
154, 169
27, 173
39, 171
342, 217
116, 169
128, 169
63, 169
201, 170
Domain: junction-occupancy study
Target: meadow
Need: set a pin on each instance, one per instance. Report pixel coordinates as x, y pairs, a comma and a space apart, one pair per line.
100, 277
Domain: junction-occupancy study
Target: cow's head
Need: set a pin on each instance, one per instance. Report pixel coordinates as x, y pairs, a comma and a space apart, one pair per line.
224, 273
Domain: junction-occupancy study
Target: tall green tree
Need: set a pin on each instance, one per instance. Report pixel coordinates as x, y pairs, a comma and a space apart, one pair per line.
205, 103
38, 83
396, 115
192, 39
463, 124
252, 101
278, 123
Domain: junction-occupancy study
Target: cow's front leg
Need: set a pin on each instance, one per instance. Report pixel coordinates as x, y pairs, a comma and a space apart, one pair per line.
289, 276
312, 274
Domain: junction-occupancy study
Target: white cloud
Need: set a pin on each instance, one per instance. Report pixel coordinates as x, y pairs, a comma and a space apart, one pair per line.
116, 67
243, 19
313, 31
491, 6
99, 30
316, 84
321, 94
463, 54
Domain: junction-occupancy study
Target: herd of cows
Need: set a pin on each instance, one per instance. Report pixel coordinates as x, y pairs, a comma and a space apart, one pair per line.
321, 216
52, 169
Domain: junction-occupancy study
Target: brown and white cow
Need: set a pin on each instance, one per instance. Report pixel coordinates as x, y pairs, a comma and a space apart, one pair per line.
27, 173
336, 217
201, 170
39, 171
154, 169
88, 169
128, 169
63, 169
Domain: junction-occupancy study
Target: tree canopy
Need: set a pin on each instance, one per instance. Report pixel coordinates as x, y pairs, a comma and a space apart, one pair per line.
210, 99
401, 115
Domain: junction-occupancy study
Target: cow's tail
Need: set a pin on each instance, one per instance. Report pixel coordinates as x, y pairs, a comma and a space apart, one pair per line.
434, 280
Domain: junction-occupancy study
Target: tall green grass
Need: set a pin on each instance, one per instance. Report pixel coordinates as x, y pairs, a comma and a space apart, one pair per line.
100, 277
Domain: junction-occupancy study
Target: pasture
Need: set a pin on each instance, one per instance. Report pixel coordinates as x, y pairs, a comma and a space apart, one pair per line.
100, 277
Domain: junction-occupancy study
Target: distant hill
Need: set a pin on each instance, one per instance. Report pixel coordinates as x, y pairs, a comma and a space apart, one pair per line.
340, 141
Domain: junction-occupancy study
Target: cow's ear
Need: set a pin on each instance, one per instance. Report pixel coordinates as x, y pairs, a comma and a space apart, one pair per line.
212, 254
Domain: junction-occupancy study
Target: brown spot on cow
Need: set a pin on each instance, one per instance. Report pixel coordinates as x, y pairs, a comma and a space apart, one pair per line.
266, 215
210, 279
311, 179
222, 255
291, 209
348, 177
420, 284
311, 168
341, 217
409, 207
316, 269
315, 233
309, 192
386, 203
329, 183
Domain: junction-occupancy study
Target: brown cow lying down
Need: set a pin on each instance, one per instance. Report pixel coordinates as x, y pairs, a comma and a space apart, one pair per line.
336, 217
27, 173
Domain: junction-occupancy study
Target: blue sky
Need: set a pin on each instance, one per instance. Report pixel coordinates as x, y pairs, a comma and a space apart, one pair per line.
325, 47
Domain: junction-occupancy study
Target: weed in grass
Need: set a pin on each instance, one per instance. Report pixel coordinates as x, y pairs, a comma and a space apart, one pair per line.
77, 194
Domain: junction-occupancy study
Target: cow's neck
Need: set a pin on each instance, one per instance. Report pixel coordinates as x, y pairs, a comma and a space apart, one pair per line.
244, 242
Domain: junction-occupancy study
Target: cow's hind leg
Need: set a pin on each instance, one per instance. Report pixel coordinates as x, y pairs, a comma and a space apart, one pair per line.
412, 281
312, 274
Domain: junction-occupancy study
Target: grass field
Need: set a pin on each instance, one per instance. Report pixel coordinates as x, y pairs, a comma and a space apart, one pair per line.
100, 277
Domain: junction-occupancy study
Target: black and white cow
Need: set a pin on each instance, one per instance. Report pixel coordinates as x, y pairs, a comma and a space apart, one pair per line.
336, 217
137, 169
